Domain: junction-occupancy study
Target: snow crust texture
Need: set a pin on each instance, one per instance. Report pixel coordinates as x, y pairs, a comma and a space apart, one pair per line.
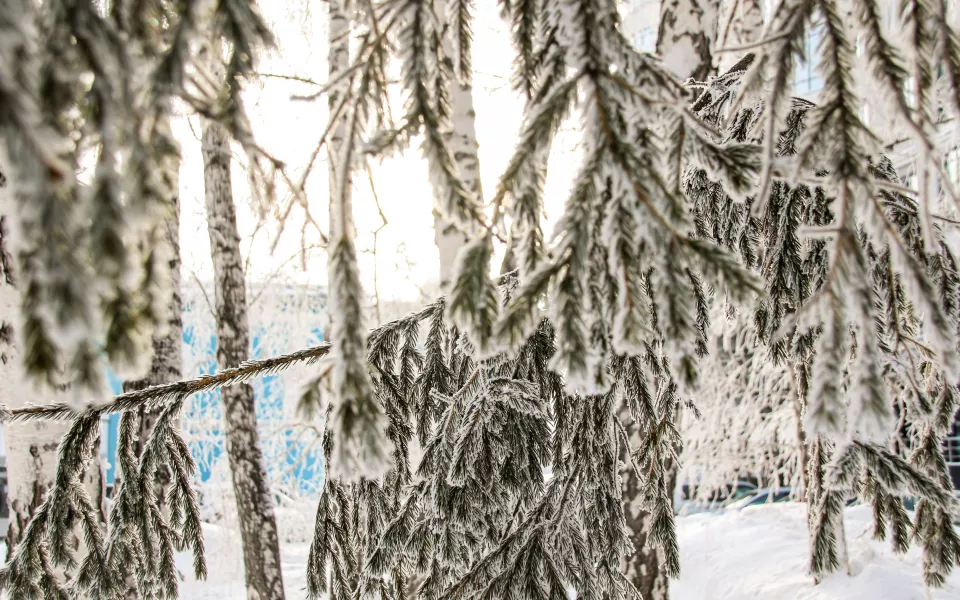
759, 552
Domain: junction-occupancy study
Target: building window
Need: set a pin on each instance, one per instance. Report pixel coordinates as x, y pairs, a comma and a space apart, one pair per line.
646, 39
952, 166
806, 78
911, 181
910, 92
951, 445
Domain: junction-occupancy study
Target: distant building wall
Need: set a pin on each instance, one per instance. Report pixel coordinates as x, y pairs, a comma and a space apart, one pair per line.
283, 319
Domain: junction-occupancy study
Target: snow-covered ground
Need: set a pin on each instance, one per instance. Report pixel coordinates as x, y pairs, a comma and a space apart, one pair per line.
225, 568
759, 552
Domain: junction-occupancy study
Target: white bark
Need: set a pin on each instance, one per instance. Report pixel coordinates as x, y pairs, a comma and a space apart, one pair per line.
31, 447
258, 526
685, 43
338, 60
642, 568
740, 23
462, 141
31, 458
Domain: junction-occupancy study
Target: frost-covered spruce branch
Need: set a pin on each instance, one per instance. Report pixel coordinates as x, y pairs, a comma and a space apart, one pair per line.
414, 27
625, 197
567, 46
540, 65
141, 539
872, 366
871, 471
917, 51
483, 425
143, 534
160, 395
835, 140
839, 269
589, 294
44, 546
515, 383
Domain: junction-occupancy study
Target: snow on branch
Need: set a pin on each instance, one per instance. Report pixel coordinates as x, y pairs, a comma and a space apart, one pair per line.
858, 319
81, 80
160, 395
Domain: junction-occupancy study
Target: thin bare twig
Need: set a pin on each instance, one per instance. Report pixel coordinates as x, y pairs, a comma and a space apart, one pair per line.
276, 273
297, 78
383, 218
206, 298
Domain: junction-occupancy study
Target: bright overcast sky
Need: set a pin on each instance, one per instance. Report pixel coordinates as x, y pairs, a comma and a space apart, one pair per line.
407, 259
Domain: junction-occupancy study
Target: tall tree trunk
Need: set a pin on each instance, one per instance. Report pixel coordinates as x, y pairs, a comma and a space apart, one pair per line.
258, 526
462, 141
643, 567
31, 446
338, 59
685, 42
167, 363
796, 398
740, 23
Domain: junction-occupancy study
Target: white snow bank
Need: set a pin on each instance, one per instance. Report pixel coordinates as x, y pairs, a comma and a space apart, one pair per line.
759, 552
762, 552
225, 568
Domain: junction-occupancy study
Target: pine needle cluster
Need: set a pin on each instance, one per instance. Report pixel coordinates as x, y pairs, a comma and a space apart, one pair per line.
860, 315
513, 399
500, 481
81, 79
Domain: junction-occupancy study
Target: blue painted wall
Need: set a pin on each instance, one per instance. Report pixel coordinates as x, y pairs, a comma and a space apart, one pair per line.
284, 451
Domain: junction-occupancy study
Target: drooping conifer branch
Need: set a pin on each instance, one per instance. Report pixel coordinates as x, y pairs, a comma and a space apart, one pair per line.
884, 342
160, 395
84, 78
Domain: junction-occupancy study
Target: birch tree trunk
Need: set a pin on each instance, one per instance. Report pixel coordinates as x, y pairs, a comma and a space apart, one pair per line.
796, 399
643, 567
31, 446
685, 42
740, 23
462, 141
338, 58
258, 526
